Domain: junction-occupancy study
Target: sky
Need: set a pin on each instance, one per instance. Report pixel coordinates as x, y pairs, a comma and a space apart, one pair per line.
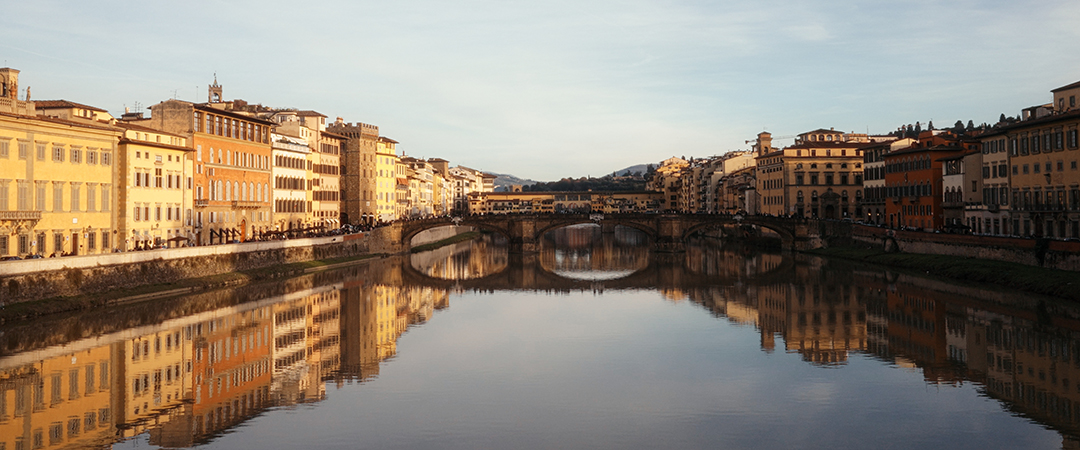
546, 90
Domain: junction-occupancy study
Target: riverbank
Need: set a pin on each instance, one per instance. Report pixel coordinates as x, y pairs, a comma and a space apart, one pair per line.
1052, 282
62, 304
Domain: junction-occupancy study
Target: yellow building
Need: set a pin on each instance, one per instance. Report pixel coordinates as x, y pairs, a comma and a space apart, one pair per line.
386, 179
668, 180
57, 182
1043, 173
819, 176
155, 189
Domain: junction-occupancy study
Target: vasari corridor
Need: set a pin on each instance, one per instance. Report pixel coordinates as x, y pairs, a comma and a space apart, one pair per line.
421, 224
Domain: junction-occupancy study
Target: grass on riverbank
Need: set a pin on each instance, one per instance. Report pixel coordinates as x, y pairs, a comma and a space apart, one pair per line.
467, 236
26, 310
1057, 283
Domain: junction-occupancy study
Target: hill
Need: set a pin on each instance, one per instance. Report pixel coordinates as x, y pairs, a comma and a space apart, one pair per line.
504, 181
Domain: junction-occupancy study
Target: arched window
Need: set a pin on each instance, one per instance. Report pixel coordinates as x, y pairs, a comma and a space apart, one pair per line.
858, 196
799, 196
266, 193
843, 196
813, 196
236, 190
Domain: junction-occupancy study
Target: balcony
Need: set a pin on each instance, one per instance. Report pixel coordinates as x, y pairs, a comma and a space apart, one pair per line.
236, 204
202, 203
20, 215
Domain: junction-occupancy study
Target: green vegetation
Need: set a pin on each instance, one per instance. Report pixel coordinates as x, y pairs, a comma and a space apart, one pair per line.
468, 236
1057, 283
25, 310
628, 182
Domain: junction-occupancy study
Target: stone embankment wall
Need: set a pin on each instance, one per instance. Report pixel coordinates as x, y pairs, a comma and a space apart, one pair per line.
1046, 253
54, 277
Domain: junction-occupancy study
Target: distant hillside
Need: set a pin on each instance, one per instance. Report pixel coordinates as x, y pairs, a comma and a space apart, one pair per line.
632, 169
504, 181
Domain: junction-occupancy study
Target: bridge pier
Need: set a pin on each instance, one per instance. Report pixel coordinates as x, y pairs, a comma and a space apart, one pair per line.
523, 246
669, 246
607, 228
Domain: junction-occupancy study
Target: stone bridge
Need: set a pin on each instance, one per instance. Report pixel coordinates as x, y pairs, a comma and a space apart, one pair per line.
668, 232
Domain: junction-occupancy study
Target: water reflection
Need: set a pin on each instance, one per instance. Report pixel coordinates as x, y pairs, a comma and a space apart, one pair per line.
464, 260
184, 372
584, 252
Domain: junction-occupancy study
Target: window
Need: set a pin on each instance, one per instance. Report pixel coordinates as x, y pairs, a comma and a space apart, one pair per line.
76, 156
91, 199
74, 197
58, 196
40, 197
4, 148
106, 158
58, 153
40, 150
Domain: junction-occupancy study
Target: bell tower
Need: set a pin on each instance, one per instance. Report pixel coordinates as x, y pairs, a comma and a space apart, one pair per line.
214, 94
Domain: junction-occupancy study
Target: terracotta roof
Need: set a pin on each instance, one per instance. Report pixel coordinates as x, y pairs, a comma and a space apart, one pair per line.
828, 144
71, 123
1067, 86
936, 148
310, 113
822, 130
386, 139
205, 107
334, 135
132, 126
960, 156
50, 104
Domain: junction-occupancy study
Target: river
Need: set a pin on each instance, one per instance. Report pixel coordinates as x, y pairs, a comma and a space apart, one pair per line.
594, 342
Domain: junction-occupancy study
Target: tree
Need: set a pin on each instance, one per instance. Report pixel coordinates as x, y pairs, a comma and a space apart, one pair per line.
1002, 118
930, 126
958, 128
970, 125
918, 128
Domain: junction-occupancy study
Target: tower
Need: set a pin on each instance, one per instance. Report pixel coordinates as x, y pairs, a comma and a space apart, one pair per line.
764, 143
214, 94
9, 83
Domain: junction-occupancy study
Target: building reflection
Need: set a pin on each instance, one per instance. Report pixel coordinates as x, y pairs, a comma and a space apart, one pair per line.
473, 259
184, 381
185, 375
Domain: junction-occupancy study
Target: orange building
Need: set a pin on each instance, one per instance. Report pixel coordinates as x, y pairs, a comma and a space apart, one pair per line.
913, 180
232, 162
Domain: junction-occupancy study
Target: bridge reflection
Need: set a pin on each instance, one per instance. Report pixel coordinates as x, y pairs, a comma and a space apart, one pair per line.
185, 371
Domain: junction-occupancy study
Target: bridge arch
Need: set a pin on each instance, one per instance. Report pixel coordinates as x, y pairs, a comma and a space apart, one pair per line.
554, 225
411, 229
786, 235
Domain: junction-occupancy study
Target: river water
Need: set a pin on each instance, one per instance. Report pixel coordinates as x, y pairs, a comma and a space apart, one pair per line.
594, 342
